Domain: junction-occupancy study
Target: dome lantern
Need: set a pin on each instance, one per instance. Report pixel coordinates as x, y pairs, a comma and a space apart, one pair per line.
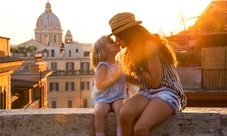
48, 7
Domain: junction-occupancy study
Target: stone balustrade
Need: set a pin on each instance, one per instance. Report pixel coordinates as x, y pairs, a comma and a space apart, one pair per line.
80, 122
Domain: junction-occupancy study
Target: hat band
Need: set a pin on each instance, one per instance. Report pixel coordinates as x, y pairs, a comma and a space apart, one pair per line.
121, 26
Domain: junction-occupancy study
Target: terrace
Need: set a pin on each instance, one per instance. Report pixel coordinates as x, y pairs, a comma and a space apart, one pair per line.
80, 122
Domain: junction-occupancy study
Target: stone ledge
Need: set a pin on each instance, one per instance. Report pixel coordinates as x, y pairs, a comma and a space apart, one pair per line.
80, 122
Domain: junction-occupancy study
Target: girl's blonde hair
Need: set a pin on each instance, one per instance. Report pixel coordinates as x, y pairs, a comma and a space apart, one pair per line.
99, 51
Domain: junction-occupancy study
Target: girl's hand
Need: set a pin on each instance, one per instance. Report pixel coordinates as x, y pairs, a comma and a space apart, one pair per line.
118, 74
115, 76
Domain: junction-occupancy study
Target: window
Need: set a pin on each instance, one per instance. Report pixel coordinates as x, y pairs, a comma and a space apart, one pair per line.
46, 53
84, 66
69, 86
53, 103
69, 53
69, 68
77, 53
85, 85
52, 53
69, 65
69, 103
46, 39
2, 98
54, 66
85, 103
54, 86
86, 54
55, 39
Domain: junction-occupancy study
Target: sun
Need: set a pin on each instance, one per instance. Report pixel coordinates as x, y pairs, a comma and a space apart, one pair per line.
172, 16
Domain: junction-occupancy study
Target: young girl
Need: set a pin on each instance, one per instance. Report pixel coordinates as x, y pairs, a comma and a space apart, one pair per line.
108, 89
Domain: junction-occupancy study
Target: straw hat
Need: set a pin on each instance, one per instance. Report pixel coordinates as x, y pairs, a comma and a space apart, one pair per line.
122, 21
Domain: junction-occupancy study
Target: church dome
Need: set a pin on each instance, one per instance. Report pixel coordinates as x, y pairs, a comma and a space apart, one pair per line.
68, 37
48, 28
48, 19
68, 32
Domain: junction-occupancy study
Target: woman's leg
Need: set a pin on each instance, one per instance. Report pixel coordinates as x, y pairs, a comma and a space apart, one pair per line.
156, 112
101, 109
116, 106
130, 112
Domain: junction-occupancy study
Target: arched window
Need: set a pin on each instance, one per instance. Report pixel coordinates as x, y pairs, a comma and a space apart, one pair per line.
46, 39
69, 53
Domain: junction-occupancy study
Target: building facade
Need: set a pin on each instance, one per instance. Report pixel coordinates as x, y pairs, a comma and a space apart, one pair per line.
69, 86
7, 65
29, 82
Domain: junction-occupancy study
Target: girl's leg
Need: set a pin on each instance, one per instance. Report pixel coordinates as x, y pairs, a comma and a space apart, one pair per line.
101, 109
130, 112
156, 112
116, 106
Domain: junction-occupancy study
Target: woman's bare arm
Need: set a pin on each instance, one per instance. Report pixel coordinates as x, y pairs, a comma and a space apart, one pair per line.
153, 72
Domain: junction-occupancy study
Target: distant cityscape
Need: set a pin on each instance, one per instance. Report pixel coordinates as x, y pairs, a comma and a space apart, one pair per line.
50, 71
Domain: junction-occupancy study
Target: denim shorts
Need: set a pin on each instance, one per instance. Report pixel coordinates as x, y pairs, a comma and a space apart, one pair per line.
166, 94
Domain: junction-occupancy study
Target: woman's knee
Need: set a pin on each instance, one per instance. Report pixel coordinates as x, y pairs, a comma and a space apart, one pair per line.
126, 114
140, 130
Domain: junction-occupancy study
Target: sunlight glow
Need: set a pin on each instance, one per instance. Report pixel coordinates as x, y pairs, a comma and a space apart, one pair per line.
88, 19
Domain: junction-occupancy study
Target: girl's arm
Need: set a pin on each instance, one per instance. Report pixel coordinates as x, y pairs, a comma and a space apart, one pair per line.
153, 72
102, 81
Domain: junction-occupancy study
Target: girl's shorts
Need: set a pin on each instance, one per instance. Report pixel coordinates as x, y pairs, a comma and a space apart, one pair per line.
166, 94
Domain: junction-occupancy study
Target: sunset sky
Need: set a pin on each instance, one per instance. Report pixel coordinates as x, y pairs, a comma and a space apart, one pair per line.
88, 19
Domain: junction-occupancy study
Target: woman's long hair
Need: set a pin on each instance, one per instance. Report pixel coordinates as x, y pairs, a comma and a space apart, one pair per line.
135, 39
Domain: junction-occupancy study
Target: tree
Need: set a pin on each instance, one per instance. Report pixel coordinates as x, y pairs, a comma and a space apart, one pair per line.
213, 22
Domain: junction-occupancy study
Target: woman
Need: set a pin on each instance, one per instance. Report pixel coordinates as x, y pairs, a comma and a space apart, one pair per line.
150, 63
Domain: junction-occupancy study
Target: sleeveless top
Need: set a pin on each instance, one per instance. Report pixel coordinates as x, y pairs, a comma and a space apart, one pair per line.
113, 92
169, 79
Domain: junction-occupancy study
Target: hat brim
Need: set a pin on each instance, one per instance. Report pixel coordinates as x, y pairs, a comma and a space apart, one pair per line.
125, 27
